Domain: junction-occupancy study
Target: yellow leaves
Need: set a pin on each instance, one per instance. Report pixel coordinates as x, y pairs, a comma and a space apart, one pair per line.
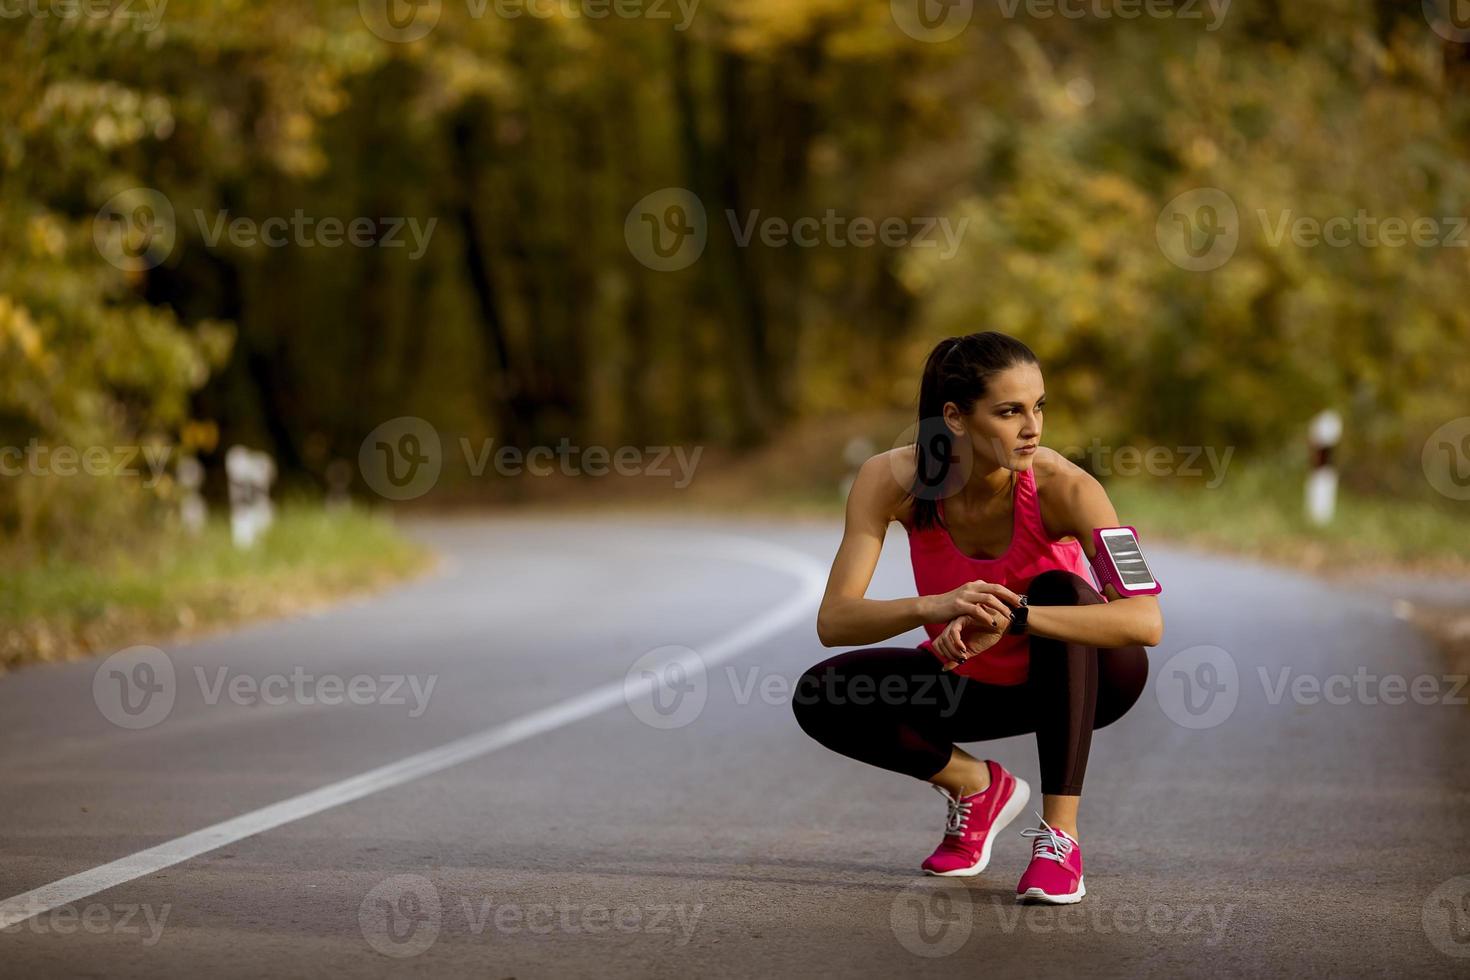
111, 115
298, 126
764, 25
198, 436
19, 331
1201, 153
45, 236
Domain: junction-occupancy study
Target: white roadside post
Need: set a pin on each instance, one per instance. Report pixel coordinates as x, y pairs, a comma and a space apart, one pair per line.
339, 483
1323, 434
250, 475
192, 511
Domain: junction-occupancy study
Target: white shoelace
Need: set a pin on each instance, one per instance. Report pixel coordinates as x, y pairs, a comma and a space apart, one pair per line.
954, 820
1048, 843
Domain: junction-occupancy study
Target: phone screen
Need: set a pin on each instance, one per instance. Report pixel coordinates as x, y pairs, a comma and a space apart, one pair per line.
1128, 559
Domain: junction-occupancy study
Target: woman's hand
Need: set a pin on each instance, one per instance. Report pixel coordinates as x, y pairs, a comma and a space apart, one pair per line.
981, 599
966, 636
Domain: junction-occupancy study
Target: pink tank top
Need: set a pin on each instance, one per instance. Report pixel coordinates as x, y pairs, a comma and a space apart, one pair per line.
939, 566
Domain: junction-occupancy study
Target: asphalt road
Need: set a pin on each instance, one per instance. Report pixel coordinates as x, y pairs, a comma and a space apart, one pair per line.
516, 783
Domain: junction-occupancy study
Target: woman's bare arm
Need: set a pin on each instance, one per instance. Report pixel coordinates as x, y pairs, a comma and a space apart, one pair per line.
1078, 504
846, 617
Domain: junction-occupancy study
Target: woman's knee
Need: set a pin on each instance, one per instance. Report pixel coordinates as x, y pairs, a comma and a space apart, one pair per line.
1122, 676
812, 701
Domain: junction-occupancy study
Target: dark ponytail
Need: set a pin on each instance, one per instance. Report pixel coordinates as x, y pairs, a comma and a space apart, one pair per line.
958, 370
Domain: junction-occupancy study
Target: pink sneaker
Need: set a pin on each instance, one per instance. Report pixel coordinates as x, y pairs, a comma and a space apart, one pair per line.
1055, 872
973, 821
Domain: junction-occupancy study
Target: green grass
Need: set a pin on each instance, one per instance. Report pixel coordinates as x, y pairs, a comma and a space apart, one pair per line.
1258, 511
178, 584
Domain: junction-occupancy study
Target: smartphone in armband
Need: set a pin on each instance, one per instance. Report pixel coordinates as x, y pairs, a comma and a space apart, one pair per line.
1119, 560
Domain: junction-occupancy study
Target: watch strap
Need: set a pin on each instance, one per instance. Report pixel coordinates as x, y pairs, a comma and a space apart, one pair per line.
1019, 617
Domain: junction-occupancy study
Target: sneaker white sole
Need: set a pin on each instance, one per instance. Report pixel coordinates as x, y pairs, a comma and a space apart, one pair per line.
1020, 796
1037, 895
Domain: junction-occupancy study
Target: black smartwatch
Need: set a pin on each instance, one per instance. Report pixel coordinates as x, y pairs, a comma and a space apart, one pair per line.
1018, 617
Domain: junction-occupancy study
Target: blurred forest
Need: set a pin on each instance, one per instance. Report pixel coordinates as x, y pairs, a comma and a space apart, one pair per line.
528, 317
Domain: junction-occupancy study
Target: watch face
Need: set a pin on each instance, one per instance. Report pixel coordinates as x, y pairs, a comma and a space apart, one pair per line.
1127, 558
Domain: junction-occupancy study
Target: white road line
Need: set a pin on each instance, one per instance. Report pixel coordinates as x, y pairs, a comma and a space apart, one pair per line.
811, 577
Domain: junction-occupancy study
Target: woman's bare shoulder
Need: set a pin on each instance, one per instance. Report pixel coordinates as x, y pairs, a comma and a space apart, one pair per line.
1054, 473
1060, 485
883, 482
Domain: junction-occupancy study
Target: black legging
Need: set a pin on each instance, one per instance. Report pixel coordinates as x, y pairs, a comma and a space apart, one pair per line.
894, 707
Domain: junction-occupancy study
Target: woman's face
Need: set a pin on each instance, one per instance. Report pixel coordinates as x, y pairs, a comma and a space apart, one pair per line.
1005, 420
